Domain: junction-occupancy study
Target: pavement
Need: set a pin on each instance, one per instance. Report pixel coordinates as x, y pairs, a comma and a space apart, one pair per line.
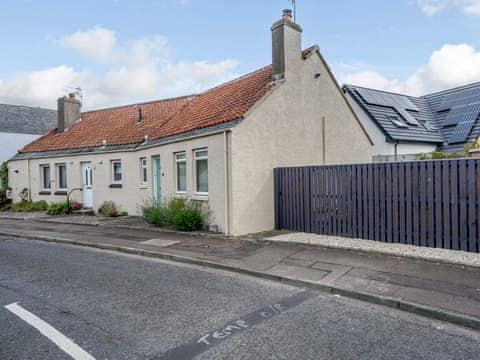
436, 290
111, 305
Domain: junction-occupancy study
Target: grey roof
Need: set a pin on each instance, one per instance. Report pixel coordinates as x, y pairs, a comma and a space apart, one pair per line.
431, 112
26, 120
425, 132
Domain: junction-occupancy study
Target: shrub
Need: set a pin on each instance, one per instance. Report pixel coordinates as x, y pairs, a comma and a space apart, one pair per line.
123, 214
29, 206
3, 176
177, 213
190, 218
108, 209
61, 208
155, 214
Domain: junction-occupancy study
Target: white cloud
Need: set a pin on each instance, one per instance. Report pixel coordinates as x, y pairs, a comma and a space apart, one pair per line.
450, 66
139, 70
97, 43
432, 7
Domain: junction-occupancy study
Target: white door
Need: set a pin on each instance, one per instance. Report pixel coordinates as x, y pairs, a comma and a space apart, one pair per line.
87, 185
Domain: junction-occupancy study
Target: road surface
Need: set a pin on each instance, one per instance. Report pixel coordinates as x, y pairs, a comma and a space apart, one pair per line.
59, 302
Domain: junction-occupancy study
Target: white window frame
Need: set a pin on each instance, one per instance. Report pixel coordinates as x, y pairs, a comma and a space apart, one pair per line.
42, 177
112, 169
180, 157
57, 174
143, 171
197, 157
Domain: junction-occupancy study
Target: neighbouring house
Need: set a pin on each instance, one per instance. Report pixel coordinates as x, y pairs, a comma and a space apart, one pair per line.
20, 125
402, 126
218, 147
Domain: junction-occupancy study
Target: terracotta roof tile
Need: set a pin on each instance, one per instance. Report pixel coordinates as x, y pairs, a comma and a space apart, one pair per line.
118, 126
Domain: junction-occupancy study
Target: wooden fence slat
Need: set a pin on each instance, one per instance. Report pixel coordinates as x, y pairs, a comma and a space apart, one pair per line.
388, 198
394, 200
463, 220
454, 205
354, 202
472, 212
422, 180
415, 204
447, 239
401, 202
437, 178
430, 205
370, 205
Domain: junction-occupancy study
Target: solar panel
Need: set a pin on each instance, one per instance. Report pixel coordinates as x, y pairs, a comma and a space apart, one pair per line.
400, 103
459, 98
461, 132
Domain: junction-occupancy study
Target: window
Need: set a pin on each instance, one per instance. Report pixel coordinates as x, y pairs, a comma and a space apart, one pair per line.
397, 121
116, 172
45, 177
181, 165
143, 170
201, 171
62, 177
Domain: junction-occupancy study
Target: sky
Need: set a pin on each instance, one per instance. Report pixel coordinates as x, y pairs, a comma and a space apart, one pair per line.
123, 52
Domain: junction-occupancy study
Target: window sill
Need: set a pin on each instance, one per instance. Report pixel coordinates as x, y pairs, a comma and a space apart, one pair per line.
180, 195
115, 186
200, 197
143, 186
61, 192
45, 192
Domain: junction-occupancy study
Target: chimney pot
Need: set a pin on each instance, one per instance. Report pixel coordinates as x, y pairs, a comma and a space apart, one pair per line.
287, 14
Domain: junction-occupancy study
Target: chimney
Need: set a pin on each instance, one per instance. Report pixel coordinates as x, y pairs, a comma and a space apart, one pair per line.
286, 45
68, 112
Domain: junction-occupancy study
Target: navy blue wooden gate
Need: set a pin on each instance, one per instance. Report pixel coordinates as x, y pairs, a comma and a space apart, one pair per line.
424, 203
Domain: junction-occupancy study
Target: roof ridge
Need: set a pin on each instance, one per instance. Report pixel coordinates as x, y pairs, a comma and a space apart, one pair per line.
242, 77
28, 106
141, 103
456, 88
384, 91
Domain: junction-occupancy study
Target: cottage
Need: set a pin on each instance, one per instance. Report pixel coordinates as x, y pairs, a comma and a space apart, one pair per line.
20, 125
218, 147
403, 126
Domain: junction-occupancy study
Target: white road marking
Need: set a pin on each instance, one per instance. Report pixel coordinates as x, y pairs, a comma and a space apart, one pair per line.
64, 343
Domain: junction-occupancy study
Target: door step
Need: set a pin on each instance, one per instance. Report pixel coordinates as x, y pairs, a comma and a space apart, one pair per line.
84, 212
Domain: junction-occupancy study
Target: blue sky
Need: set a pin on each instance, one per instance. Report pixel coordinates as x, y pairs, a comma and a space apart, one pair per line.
123, 51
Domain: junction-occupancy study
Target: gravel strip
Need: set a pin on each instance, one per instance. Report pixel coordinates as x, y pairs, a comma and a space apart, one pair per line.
410, 251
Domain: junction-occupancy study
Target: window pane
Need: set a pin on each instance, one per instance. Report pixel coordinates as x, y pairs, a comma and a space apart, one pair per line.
202, 176
46, 177
62, 176
143, 170
201, 154
117, 171
181, 176
180, 156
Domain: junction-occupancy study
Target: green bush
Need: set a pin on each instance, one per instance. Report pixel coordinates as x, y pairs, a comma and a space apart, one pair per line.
177, 213
190, 218
155, 214
108, 209
29, 206
123, 214
61, 208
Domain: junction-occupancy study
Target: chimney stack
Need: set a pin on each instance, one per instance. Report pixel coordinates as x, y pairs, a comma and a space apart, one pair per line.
286, 45
68, 112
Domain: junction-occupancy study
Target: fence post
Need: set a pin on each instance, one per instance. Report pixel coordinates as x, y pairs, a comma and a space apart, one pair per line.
277, 198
